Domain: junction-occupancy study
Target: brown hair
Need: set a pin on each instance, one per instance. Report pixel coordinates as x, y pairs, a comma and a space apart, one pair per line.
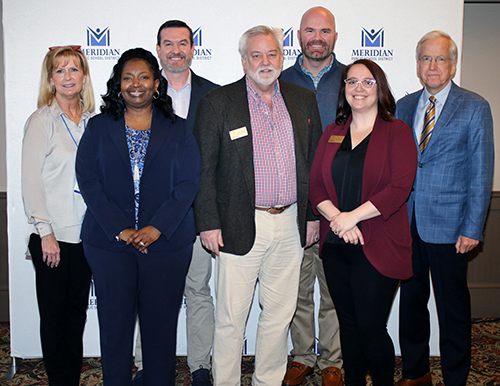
386, 103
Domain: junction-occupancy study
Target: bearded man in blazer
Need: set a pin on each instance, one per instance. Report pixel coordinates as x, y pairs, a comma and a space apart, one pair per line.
257, 138
447, 210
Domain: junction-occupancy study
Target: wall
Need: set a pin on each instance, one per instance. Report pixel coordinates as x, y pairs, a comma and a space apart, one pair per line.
481, 36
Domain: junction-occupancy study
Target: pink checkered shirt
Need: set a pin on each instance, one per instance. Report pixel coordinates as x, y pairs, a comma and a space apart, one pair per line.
273, 150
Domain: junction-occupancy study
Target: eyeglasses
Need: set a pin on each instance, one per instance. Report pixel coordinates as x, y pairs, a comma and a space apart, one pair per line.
440, 60
367, 84
73, 48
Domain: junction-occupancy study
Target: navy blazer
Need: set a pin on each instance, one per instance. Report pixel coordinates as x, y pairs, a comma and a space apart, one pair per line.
169, 182
454, 178
388, 173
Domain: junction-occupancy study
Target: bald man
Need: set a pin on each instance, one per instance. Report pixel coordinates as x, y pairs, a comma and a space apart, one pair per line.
318, 70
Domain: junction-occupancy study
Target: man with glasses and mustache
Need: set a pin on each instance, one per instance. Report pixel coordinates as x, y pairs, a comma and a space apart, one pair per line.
257, 140
175, 49
318, 70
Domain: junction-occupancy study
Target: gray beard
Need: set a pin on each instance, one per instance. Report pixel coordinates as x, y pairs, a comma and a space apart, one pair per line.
183, 68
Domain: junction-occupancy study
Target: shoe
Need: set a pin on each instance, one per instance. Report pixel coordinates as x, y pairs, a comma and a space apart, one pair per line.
332, 376
201, 377
296, 373
138, 380
426, 380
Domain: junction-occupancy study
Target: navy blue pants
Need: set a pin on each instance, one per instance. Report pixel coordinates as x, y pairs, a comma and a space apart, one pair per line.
128, 283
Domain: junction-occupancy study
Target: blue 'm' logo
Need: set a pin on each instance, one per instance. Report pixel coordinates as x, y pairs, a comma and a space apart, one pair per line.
372, 38
98, 37
197, 37
288, 42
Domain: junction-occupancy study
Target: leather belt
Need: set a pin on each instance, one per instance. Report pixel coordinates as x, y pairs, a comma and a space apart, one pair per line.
273, 210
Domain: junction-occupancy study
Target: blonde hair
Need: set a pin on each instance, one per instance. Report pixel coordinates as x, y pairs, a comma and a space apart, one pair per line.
56, 56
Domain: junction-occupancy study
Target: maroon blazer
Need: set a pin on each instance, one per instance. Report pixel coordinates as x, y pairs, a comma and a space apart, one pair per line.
388, 174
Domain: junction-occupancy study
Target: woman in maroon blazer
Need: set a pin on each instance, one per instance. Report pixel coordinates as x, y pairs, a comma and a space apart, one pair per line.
361, 177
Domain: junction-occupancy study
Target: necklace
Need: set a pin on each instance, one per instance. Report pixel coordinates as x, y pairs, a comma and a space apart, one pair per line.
136, 154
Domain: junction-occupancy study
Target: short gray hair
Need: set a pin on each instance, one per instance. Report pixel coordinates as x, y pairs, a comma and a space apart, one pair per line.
434, 35
261, 30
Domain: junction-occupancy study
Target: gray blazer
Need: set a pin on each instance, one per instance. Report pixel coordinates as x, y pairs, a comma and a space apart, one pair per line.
226, 199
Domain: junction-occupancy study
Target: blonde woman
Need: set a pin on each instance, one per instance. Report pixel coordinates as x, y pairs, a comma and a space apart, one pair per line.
55, 209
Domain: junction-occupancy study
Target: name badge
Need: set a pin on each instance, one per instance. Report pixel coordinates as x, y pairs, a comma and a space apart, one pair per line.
336, 139
238, 133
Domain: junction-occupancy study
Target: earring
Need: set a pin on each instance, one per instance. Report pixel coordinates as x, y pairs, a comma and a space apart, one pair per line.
156, 95
52, 88
120, 94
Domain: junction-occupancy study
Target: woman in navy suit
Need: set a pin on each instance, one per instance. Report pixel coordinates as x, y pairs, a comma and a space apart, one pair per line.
138, 169
361, 177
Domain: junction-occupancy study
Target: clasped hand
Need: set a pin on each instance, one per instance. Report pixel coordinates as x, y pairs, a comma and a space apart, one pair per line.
344, 226
142, 238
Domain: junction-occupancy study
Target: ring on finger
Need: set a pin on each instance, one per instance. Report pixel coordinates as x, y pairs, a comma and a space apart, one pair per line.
142, 244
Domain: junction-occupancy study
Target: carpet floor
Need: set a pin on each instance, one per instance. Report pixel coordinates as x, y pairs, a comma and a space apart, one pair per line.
485, 369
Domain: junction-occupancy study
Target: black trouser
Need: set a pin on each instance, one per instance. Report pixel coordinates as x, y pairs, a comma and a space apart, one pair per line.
62, 295
363, 299
449, 280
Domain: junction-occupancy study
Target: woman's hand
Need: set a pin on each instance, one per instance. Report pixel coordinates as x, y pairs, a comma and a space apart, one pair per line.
144, 237
50, 251
343, 222
354, 236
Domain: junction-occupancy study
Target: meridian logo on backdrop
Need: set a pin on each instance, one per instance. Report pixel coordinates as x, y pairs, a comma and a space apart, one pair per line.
372, 46
200, 52
289, 52
98, 45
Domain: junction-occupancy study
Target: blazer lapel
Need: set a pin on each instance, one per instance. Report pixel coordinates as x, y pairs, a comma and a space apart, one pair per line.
119, 138
300, 133
450, 107
159, 134
238, 116
331, 150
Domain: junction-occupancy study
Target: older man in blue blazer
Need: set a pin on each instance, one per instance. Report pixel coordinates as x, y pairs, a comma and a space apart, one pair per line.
453, 131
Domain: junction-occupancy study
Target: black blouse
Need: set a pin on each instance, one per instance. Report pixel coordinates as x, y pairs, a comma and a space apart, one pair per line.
347, 174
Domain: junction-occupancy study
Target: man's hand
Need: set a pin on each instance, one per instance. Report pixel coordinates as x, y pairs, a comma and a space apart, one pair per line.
312, 233
465, 244
212, 240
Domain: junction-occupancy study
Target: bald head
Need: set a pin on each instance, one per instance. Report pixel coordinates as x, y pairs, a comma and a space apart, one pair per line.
318, 14
317, 35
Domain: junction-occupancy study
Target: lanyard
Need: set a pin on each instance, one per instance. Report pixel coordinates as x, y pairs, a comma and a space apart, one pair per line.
67, 128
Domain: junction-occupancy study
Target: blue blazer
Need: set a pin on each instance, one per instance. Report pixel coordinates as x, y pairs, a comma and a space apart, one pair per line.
452, 188
169, 182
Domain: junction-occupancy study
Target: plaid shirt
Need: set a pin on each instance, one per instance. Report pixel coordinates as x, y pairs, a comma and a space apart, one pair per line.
273, 150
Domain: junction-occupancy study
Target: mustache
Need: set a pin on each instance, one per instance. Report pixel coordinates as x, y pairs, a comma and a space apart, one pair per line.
316, 42
176, 55
266, 68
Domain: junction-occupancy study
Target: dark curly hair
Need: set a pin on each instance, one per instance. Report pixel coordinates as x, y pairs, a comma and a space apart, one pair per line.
113, 101
386, 102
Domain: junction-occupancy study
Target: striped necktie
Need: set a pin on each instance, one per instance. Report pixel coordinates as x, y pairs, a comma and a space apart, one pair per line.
429, 120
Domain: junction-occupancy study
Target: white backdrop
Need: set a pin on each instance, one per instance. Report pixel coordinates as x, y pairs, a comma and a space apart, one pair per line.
386, 31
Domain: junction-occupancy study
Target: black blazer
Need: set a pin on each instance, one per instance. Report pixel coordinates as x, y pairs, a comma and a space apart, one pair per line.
168, 184
226, 199
199, 87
